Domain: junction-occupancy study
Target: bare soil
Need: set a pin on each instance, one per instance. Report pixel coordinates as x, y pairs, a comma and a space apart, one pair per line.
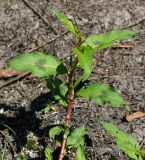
22, 102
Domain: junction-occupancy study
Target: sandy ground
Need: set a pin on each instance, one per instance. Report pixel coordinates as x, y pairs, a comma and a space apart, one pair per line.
22, 103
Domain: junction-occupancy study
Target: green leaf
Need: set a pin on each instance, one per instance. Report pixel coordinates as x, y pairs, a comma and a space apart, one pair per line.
125, 142
61, 69
39, 64
59, 90
85, 59
141, 154
102, 94
48, 153
112, 129
127, 147
128, 144
77, 137
117, 133
62, 94
100, 41
55, 131
58, 143
80, 153
77, 82
47, 108
62, 18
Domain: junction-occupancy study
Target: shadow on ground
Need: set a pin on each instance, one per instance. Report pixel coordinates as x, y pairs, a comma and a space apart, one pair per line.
23, 121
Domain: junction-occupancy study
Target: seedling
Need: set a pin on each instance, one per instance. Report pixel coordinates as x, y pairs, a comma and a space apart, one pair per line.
64, 91
48, 153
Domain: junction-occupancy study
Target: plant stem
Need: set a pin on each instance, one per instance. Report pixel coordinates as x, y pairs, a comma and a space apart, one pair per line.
69, 108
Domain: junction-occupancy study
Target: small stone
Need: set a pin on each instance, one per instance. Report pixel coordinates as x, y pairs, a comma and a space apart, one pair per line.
14, 7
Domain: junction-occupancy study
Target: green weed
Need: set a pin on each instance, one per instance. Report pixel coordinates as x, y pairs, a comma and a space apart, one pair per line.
64, 91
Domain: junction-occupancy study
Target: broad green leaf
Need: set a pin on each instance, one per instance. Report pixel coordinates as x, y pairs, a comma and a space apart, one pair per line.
100, 41
124, 141
62, 18
128, 139
55, 131
80, 154
128, 148
117, 133
48, 153
112, 129
77, 137
77, 82
85, 59
39, 64
59, 90
102, 94
128, 144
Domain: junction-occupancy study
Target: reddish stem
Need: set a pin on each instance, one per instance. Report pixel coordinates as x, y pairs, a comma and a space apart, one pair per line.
67, 122
69, 109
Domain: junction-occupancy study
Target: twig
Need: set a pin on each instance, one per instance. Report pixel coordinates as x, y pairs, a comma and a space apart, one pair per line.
4, 150
122, 46
39, 15
143, 142
9, 142
15, 79
48, 42
134, 24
